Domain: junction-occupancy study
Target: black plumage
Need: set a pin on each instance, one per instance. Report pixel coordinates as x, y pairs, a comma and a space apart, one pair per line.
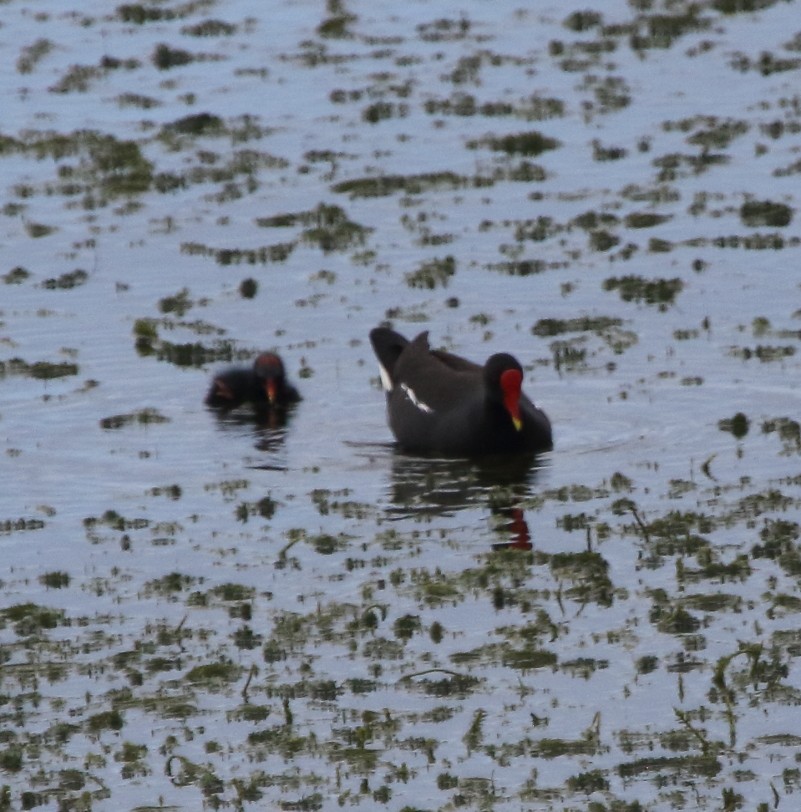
441, 403
264, 386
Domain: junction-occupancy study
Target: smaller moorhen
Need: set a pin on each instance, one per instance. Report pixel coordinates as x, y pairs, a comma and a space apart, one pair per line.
264, 386
439, 403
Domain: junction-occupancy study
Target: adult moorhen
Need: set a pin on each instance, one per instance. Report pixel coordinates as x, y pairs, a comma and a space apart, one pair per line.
443, 404
264, 386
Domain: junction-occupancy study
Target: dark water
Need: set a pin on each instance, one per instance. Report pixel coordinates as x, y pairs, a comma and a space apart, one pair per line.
205, 611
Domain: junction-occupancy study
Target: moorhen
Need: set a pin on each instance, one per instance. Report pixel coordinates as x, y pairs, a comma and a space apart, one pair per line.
264, 386
443, 404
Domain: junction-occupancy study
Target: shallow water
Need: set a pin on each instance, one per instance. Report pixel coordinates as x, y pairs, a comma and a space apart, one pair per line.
206, 612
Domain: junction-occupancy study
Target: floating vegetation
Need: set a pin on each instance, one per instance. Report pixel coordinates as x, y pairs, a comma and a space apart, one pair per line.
121, 166
445, 30
432, 274
137, 100
263, 255
603, 240
141, 13
106, 167
197, 124
55, 580
661, 30
31, 55
676, 166
236, 173
529, 658
778, 539
756, 242
210, 28
326, 226
645, 219
766, 64
594, 220
741, 6
582, 20
41, 370
737, 425
195, 354
384, 110
523, 267
523, 172
657, 246
569, 355
602, 153
30, 618
66, 281
148, 342
146, 333
718, 135
336, 26
660, 292
16, 276
529, 143
763, 352
178, 304
537, 230
264, 508
20, 525
659, 768
757, 213
248, 288
384, 185
553, 327
589, 573
214, 674
170, 491
36, 230
535, 108
788, 430
79, 78
611, 94
108, 720
143, 417
164, 57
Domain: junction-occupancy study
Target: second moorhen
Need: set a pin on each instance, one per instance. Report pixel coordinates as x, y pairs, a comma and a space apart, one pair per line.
264, 386
441, 403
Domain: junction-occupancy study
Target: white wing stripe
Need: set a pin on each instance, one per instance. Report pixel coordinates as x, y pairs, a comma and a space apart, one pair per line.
386, 381
423, 407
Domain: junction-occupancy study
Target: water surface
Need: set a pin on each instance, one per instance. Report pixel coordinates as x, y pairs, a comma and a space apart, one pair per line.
203, 611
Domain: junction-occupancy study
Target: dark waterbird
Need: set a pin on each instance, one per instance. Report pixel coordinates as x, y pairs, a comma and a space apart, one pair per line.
443, 404
264, 386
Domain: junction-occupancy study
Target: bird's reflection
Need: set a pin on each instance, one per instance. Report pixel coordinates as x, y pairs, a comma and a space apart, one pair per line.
267, 428
423, 486
516, 528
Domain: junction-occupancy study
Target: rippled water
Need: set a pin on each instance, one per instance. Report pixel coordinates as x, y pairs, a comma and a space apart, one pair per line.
204, 611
